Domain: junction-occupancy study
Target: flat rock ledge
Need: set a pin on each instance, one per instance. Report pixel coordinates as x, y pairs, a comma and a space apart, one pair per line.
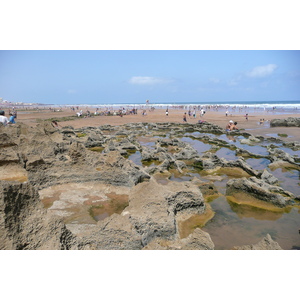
288, 122
26, 225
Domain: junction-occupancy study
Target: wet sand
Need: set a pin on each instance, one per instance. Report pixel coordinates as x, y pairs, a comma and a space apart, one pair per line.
31, 117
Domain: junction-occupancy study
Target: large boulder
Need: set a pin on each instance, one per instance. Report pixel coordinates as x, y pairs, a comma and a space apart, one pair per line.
153, 208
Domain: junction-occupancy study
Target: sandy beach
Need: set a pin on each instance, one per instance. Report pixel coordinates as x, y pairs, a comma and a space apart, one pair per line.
33, 117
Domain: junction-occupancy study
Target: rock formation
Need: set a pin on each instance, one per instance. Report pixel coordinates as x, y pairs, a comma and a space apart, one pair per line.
261, 190
26, 225
34, 159
288, 122
265, 244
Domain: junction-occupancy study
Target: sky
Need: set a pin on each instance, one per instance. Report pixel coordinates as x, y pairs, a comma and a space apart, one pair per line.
160, 76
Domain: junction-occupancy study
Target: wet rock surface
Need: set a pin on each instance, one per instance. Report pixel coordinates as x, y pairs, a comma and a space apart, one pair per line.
261, 190
34, 159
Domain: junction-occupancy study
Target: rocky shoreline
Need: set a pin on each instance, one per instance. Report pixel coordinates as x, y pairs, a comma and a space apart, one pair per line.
33, 160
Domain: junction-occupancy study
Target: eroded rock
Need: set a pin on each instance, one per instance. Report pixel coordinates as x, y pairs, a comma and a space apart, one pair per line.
261, 190
266, 243
25, 224
288, 122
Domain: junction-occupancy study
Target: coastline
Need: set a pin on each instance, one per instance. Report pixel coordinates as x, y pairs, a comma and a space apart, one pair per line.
32, 117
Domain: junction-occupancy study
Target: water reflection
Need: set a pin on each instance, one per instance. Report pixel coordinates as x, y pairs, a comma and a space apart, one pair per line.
235, 225
198, 145
288, 179
258, 163
136, 157
227, 154
248, 211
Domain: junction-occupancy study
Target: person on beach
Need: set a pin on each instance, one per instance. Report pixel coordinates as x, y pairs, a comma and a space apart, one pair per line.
11, 119
184, 117
167, 112
246, 116
3, 119
202, 112
233, 127
229, 125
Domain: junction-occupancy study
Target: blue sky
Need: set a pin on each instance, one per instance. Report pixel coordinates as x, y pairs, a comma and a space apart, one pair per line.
128, 76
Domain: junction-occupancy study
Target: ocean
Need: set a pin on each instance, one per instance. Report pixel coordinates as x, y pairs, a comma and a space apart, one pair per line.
276, 106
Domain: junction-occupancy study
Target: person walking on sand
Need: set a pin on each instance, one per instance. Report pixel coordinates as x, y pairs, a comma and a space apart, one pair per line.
167, 112
184, 117
246, 116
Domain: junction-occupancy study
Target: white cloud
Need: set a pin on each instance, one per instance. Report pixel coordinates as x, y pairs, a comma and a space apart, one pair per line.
262, 71
145, 80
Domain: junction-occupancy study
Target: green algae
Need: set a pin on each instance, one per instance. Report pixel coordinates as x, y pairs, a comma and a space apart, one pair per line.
246, 199
81, 134
96, 149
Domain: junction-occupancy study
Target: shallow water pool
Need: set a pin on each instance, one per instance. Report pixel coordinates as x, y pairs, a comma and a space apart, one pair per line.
237, 225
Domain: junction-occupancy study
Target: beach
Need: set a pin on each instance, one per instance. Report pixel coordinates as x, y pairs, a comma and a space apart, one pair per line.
227, 191
33, 117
